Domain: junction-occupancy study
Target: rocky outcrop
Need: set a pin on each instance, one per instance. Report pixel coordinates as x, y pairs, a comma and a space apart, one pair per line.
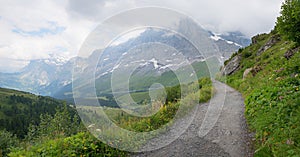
289, 53
256, 69
246, 73
272, 41
232, 66
254, 40
253, 71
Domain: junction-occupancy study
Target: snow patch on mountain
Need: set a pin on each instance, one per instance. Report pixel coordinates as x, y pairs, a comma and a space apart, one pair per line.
154, 61
64, 83
103, 73
55, 59
166, 66
215, 37
230, 42
144, 64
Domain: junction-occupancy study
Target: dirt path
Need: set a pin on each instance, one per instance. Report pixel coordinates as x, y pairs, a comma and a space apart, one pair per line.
208, 134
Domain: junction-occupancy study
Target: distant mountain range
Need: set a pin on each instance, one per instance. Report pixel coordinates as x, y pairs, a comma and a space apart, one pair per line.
40, 76
53, 76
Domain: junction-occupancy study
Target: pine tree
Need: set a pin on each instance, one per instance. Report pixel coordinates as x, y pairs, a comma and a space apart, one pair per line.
61, 122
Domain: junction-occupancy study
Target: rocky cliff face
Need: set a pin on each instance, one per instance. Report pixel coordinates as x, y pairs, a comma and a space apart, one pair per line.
272, 41
232, 66
290, 53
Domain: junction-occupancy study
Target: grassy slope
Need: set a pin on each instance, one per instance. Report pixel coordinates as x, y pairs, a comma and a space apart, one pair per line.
272, 97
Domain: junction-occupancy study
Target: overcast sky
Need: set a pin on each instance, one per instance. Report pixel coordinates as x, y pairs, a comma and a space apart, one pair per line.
33, 29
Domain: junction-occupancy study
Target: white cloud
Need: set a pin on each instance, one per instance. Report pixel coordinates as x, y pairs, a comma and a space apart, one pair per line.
35, 31
129, 35
78, 18
250, 17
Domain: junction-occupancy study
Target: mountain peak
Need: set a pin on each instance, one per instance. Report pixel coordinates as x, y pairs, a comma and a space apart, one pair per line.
56, 59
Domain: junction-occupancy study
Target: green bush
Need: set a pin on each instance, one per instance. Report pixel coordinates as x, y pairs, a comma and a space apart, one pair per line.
288, 24
246, 54
81, 144
7, 141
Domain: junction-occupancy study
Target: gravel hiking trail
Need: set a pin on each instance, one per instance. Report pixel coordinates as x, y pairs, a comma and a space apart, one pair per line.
227, 137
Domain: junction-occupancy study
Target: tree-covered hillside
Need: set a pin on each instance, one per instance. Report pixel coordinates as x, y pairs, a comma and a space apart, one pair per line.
19, 109
45, 126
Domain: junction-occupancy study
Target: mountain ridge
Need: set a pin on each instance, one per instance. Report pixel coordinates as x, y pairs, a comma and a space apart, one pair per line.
49, 76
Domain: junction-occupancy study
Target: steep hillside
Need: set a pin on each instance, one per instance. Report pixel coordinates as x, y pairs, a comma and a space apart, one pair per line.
267, 74
19, 109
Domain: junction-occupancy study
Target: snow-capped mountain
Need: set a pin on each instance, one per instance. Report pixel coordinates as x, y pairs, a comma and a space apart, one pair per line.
41, 76
154, 53
237, 38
